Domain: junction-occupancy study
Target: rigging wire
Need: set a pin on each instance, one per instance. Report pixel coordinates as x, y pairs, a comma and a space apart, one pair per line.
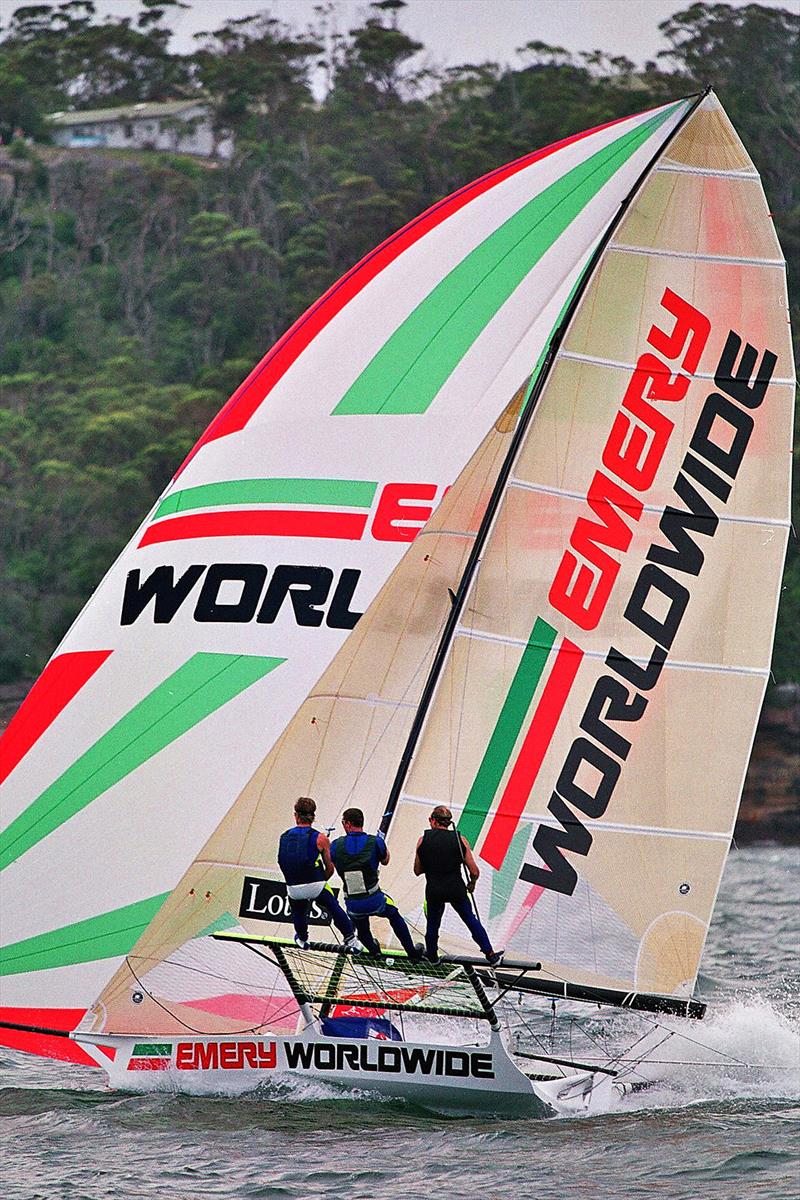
204, 1032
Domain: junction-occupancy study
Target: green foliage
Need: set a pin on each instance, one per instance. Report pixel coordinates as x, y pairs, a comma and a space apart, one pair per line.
137, 290
751, 56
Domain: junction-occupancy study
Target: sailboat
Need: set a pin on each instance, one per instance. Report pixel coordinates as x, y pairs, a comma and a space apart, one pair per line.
549, 604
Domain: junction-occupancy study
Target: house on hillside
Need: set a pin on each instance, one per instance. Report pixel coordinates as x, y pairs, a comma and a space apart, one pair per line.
181, 126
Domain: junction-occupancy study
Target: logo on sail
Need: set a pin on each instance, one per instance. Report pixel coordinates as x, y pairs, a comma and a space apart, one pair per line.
267, 900
661, 592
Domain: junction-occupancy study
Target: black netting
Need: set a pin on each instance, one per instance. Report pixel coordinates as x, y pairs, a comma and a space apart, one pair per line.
324, 975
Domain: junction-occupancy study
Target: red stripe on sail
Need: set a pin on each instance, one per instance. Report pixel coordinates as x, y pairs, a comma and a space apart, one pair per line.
256, 387
258, 523
523, 774
43, 1044
532, 898
58, 684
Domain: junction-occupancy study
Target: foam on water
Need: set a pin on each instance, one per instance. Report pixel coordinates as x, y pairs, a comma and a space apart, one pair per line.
746, 1049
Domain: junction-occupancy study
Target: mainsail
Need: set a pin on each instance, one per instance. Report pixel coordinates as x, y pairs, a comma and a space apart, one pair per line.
599, 698
573, 653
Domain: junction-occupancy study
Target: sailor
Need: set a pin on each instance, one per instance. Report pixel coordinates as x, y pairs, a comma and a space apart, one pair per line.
305, 859
357, 857
441, 855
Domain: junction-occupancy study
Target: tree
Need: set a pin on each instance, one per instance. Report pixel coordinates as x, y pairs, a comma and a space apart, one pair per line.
257, 73
751, 56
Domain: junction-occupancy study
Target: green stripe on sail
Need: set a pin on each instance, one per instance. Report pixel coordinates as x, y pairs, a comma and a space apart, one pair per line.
504, 880
105, 936
407, 372
506, 730
224, 921
202, 685
152, 1050
340, 493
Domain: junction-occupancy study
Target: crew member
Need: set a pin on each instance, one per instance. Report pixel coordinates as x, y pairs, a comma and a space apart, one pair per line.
441, 855
304, 856
357, 857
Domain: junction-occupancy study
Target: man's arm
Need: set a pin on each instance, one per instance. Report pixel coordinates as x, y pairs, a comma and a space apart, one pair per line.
417, 863
383, 850
324, 847
472, 866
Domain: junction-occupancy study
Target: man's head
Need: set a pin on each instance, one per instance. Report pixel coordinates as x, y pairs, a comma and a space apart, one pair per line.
352, 820
441, 817
304, 810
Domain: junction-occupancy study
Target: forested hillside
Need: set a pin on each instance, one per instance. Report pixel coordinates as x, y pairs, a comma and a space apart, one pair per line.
137, 290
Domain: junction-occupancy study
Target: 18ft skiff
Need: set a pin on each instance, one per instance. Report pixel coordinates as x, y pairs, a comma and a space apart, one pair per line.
498, 524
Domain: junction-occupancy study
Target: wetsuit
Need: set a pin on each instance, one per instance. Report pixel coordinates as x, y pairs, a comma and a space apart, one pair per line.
304, 872
357, 857
442, 859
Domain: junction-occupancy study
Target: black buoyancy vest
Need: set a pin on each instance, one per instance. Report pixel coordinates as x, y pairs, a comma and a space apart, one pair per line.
442, 858
298, 856
355, 859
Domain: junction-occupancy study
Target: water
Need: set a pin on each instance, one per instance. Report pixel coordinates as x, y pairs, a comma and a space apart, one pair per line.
717, 1134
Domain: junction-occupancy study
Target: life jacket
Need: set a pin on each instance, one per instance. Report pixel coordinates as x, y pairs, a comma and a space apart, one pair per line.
298, 856
356, 859
442, 858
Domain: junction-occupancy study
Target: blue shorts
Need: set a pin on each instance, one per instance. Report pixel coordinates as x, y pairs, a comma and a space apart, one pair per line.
368, 906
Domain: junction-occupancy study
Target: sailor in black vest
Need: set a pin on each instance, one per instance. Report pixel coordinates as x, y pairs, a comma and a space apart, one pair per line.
305, 859
357, 857
441, 855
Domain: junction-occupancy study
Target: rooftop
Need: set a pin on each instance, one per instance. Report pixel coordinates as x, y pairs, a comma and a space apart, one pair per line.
125, 112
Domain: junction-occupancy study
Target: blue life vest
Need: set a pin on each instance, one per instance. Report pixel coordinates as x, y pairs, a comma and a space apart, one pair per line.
298, 856
356, 857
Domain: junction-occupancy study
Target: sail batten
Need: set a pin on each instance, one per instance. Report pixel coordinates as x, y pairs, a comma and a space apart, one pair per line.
545, 818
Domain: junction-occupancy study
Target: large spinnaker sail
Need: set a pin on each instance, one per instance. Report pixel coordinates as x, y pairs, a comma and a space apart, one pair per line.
249, 572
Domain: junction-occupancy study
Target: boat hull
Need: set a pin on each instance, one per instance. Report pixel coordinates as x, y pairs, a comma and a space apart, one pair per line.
458, 1078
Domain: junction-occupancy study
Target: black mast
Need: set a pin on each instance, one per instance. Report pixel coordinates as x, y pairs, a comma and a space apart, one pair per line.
459, 597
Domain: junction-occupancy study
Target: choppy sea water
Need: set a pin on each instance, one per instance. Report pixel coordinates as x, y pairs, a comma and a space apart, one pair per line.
731, 1132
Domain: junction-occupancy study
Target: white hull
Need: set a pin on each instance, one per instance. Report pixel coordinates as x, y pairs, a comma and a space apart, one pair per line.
459, 1078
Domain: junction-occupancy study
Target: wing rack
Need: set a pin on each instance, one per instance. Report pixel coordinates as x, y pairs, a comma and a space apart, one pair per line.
327, 975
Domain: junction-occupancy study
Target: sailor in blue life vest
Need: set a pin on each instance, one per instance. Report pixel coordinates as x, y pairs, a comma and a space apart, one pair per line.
357, 857
305, 859
442, 854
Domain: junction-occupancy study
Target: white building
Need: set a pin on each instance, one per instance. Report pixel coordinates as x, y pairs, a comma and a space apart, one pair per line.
181, 126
